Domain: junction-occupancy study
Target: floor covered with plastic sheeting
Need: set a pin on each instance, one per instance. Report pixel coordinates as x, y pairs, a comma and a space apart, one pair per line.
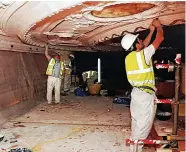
77, 124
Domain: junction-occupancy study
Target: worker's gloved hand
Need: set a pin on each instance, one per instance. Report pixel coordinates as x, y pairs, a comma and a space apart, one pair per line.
156, 23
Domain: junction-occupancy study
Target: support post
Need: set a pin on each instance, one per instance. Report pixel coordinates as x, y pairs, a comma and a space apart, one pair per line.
177, 86
176, 105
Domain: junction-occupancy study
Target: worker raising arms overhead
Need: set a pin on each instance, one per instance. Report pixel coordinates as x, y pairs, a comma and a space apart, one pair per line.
140, 74
55, 73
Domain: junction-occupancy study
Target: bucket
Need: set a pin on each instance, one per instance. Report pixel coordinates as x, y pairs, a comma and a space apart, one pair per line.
94, 89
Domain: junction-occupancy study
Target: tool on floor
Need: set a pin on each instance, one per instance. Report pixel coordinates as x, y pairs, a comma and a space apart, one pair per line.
13, 141
1, 137
122, 100
20, 150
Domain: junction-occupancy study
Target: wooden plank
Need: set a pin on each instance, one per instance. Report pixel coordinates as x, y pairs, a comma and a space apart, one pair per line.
148, 149
181, 144
163, 128
182, 84
153, 134
163, 150
182, 109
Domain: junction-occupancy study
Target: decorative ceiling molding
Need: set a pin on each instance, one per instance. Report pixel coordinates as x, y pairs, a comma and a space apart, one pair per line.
2, 33
121, 30
9, 44
9, 19
169, 17
4, 4
126, 10
24, 16
80, 25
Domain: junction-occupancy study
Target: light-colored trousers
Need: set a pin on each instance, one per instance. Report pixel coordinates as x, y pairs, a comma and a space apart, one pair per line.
143, 110
67, 82
55, 83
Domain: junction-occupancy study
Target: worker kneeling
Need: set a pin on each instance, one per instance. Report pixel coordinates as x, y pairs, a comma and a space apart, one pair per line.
140, 75
89, 77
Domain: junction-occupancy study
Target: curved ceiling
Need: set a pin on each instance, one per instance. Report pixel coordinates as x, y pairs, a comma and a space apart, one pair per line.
79, 25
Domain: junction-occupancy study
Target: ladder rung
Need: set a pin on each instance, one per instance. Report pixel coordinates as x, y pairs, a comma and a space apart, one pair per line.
168, 101
162, 66
147, 142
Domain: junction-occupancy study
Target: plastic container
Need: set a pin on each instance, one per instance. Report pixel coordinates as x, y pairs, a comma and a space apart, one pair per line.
94, 89
163, 115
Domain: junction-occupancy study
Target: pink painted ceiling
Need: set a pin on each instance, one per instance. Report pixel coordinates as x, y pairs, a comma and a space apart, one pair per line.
81, 24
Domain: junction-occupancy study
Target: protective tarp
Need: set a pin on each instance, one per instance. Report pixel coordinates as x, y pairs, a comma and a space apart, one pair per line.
22, 76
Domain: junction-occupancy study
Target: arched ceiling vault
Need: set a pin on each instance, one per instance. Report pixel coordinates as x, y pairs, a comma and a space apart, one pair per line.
81, 25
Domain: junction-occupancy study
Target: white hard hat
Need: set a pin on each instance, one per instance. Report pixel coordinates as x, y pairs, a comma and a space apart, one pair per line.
128, 40
71, 55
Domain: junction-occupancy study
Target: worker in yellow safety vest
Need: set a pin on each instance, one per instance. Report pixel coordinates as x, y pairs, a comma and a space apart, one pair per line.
55, 74
68, 70
140, 74
89, 77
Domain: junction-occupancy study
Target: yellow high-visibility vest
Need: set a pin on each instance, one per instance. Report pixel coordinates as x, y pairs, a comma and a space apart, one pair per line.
50, 67
67, 64
89, 74
138, 72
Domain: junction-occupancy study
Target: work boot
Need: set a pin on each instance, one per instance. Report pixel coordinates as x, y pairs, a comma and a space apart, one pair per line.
57, 102
64, 94
49, 102
67, 90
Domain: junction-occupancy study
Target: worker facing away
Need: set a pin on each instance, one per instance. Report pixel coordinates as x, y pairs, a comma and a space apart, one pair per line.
89, 77
140, 74
67, 74
54, 72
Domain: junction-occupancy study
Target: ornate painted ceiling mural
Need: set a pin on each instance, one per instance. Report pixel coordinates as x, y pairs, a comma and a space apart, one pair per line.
80, 25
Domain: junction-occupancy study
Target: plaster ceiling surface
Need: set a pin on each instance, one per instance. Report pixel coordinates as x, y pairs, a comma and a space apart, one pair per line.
82, 24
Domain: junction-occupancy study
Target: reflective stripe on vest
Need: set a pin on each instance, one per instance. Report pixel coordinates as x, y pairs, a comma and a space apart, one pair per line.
140, 64
90, 73
67, 65
50, 67
61, 68
139, 83
138, 72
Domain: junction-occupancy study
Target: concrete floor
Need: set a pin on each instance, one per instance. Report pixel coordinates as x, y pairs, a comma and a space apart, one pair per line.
78, 124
